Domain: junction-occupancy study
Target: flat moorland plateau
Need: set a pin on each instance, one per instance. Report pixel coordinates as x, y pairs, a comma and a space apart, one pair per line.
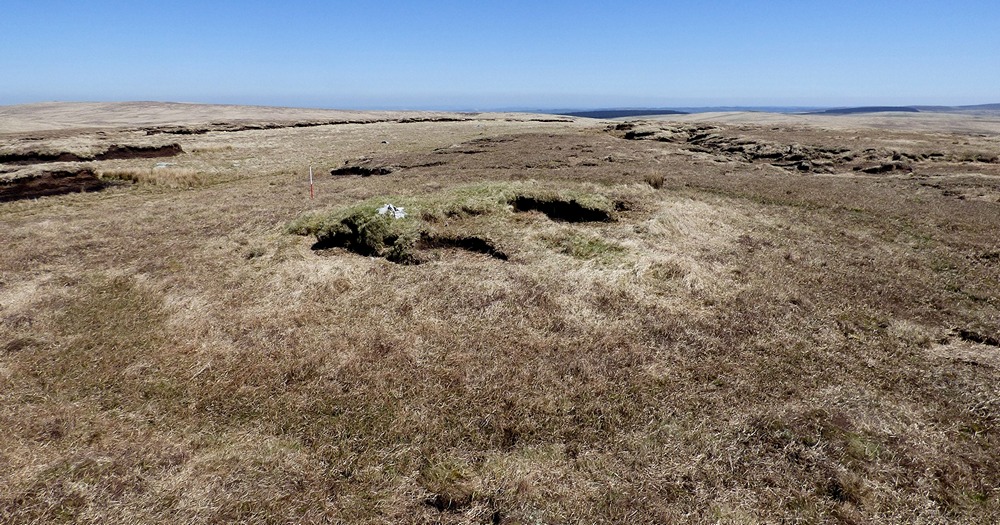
731, 318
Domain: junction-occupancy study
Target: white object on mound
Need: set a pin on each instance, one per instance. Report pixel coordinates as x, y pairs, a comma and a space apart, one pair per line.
389, 209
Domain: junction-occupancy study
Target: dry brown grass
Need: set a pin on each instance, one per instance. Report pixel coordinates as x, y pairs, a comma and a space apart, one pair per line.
167, 176
742, 345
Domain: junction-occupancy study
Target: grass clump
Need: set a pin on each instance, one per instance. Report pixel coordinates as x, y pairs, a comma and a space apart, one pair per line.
169, 177
466, 201
585, 247
449, 484
655, 180
430, 222
363, 230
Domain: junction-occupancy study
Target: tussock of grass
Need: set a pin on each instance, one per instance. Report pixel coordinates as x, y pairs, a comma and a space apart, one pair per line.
213, 148
169, 177
362, 230
655, 180
585, 247
465, 201
433, 208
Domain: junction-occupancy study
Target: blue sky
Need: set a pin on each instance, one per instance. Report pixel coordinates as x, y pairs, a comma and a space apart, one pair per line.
502, 54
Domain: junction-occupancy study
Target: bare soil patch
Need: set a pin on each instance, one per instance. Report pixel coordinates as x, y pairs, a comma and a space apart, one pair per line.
561, 210
976, 337
364, 171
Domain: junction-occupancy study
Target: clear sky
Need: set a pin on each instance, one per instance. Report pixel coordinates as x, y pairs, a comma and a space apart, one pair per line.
484, 54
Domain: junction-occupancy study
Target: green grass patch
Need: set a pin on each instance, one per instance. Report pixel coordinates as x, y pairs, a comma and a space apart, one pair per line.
586, 247
364, 230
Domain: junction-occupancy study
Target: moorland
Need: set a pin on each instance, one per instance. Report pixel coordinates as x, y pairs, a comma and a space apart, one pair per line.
708, 318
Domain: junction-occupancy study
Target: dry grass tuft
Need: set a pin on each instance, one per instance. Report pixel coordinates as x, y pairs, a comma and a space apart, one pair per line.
168, 177
655, 180
585, 247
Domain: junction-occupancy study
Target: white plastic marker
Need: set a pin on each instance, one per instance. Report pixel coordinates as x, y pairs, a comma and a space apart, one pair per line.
311, 194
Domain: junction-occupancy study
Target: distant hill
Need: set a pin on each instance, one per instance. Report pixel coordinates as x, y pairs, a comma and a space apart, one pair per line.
866, 109
977, 108
960, 109
990, 107
752, 109
797, 110
42, 116
618, 113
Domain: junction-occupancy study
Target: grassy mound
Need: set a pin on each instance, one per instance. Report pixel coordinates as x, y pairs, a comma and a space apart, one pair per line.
362, 229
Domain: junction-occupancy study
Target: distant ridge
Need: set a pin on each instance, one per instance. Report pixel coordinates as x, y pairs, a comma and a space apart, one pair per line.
618, 113
792, 110
909, 109
866, 109
952, 109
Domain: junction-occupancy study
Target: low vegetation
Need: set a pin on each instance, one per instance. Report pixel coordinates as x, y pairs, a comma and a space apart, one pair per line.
380, 228
167, 176
572, 340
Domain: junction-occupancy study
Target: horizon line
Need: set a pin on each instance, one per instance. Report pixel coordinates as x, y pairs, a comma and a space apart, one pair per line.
534, 108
